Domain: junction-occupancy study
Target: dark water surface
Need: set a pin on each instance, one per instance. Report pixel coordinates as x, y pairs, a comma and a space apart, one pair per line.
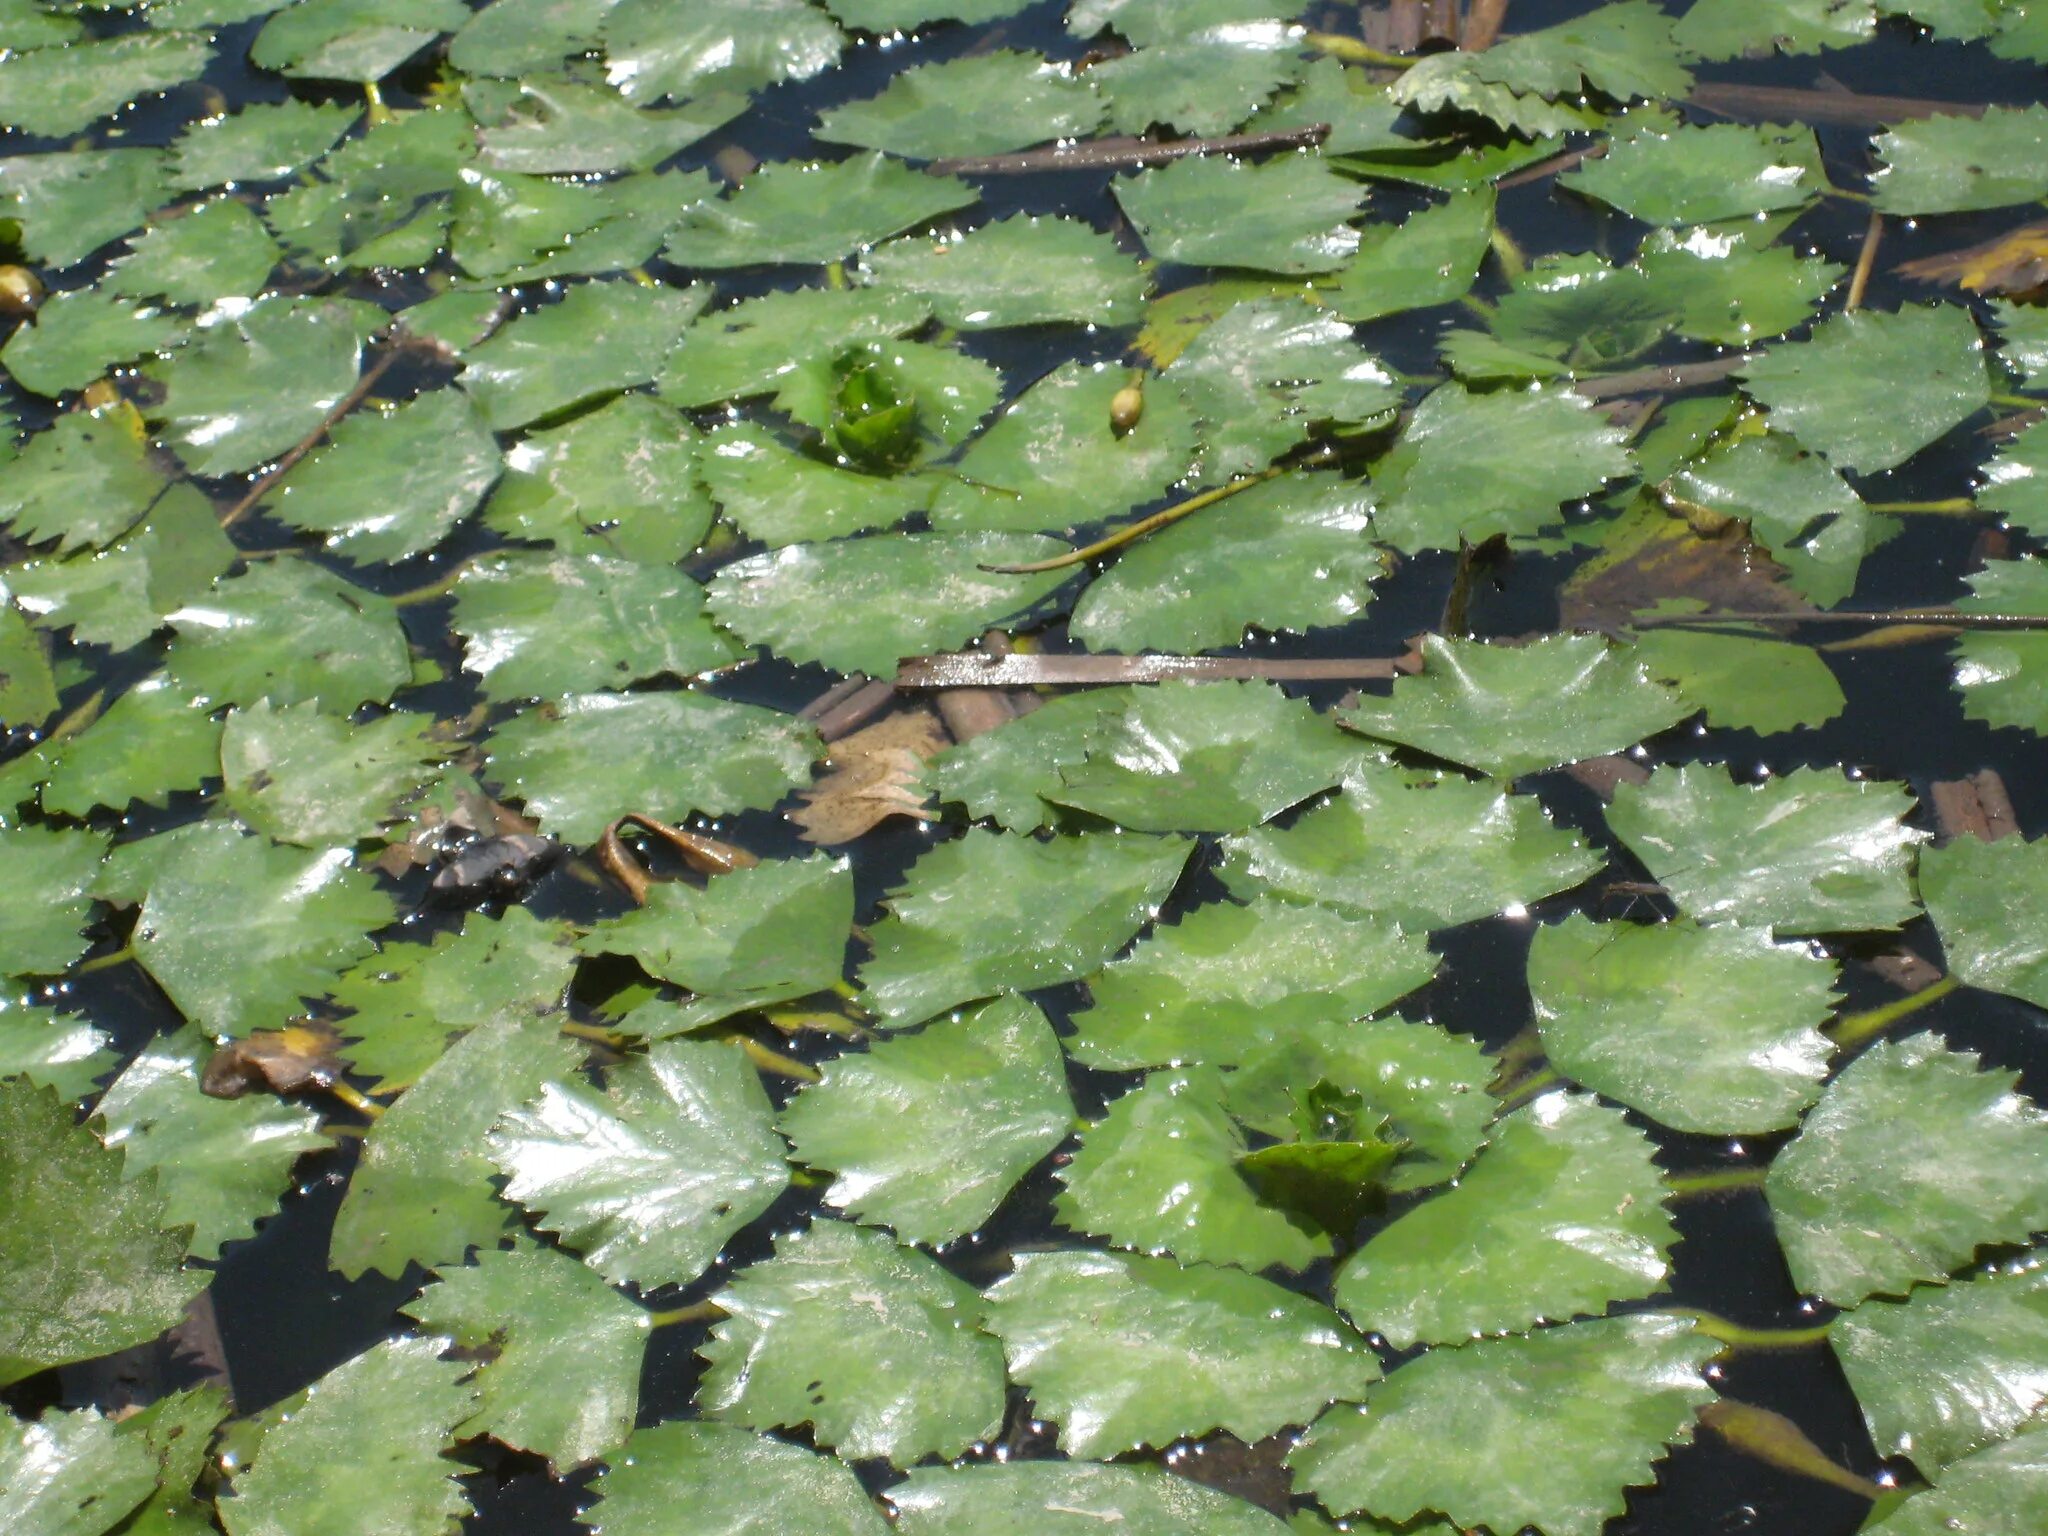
286, 1319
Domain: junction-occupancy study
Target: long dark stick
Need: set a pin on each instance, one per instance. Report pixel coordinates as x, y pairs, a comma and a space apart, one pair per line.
1123, 153
349, 402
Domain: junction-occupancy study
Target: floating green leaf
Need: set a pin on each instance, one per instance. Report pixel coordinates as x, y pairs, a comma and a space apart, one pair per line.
1710, 1030
858, 605
154, 740
1199, 79
1561, 1215
265, 141
63, 1052
351, 39
1799, 509
1743, 683
1430, 259
77, 336
219, 250
1127, 1351
871, 1344
1068, 1498
2016, 482
2000, 674
362, 1450
988, 1098
731, 1480
1912, 1160
1719, 286
289, 631
1870, 390
43, 908
1001, 775
1985, 899
1956, 164
1684, 175
989, 913
979, 104
1425, 851
83, 481
1146, 22
423, 1193
515, 37
72, 1289
303, 776
746, 940
381, 200
1227, 980
681, 48
62, 90
813, 213
601, 338
237, 930
1722, 29
71, 1474
2023, 339
782, 496
69, 205
221, 1163
1555, 1427
1999, 1485
558, 126
1284, 215
1808, 852
590, 758
1023, 270
1951, 1369
545, 1321
1158, 1173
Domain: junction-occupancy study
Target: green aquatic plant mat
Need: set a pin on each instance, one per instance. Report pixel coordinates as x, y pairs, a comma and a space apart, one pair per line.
731, 1479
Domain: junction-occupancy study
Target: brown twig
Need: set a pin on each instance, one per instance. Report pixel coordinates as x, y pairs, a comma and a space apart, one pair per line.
977, 669
1866, 261
349, 402
1483, 24
1948, 617
1661, 381
1556, 165
1126, 153
1771, 103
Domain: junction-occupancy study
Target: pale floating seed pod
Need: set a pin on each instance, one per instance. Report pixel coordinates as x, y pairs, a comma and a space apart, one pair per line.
1126, 408
21, 291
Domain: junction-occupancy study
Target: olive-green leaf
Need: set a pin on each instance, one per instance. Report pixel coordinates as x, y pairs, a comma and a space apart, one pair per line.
1125, 1351
590, 758
219, 250
1912, 1160
859, 605
1957, 164
1869, 390
990, 912
264, 141
1284, 215
753, 346
1554, 1427
1431, 258
562, 1377
558, 126
56, 91
362, 1450
289, 631
1796, 506
51, 1050
1987, 902
77, 336
648, 1179
2001, 673
1227, 980
978, 104
1158, 1174
1808, 852
1068, 1498
1714, 1031
1200, 79
2016, 481
812, 213
71, 1474
601, 338
424, 1192
1002, 775
154, 740
1744, 683
686, 48
781, 496
1687, 175
307, 777
870, 1343
1023, 270
351, 39
71, 204
44, 904
985, 1098
732, 1481
1425, 851
2003, 1487
1951, 1369
83, 481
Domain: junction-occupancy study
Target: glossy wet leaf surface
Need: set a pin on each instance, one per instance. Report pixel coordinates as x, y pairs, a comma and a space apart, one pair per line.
1067, 1499
732, 1480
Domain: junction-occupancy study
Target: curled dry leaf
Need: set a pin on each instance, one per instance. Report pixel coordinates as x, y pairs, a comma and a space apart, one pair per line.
874, 774
2015, 263
295, 1059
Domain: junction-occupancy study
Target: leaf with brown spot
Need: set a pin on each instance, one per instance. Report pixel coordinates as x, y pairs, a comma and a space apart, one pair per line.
294, 1059
875, 773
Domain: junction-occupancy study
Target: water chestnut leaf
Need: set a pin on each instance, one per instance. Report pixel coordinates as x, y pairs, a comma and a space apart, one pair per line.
83, 481
237, 930
307, 777
43, 909
69, 1289
1685, 175
221, 1163
1425, 851
1054, 458
558, 126
51, 1050
620, 480
408, 1001
562, 1377
69, 205
870, 1343
780, 495
153, 741
732, 1481
1285, 215
1809, 852
1199, 80
1951, 1369
989, 913
25, 24
1511, 710
1743, 683
751, 347
1002, 775
1912, 1160
979, 104
1724, 288
1145, 22
265, 141
2023, 339
859, 605
2000, 673
78, 336
599, 339
1956, 164
987, 1095
1985, 899
748, 939
219, 250
1229, 980
1723, 29
2016, 481
1994, 1487
539, 625
1159, 1174
663, 49
813, 213
1023, 270
1556, 1427
351, 39
424, 1191
1125, 1351
518, 37
587, 759
1561, 1214
1068, 1498
1869, 390
52, 92
882, 404
362, 1449
1469, 466
1423, 1085
71, 1474
289, 631
1714, 1031
1431, 258
1205, 757
381, 199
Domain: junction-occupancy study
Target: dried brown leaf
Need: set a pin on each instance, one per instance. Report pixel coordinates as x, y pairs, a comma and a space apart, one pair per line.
872, 775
